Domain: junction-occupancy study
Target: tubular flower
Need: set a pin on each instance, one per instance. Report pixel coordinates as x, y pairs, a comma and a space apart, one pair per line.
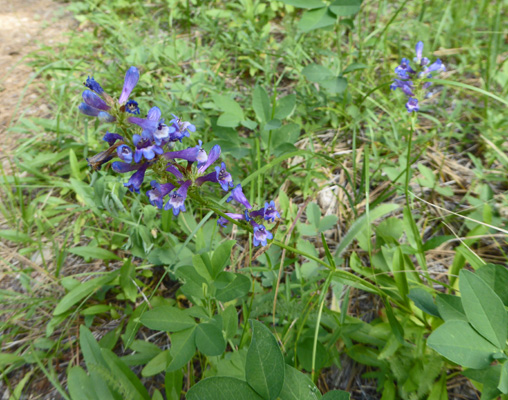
411, 82
149, 124
156, 195
131, 80
224, 221
190, 154
136, 180
238, 196
177, 198
261, 235
181, 129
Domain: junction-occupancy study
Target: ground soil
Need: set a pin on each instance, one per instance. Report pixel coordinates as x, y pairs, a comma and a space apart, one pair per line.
25, 27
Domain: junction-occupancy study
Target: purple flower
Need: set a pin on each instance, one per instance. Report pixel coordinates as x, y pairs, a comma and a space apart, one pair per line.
132, 107
136, 180
94, 101
190, 154
111, 138
405, 86
224, 221
163, 133
174, 170
125, 153
156, 195
106, 117
181, 129
419, 59
122, 168
90, 83
212, 157
270, 212
404, 70
412, 105
145, 148
238, 196
223, 177
177, 198
88, 110
131, 80
149, 124
436, 66
260, 234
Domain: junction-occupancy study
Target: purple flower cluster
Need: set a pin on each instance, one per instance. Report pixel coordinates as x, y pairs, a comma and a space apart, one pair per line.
145, 146
411, 82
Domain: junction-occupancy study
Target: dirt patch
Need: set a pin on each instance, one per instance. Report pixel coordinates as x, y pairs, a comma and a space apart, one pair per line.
25, 26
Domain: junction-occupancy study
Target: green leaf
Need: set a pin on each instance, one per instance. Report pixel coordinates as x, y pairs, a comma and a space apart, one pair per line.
94, 252
183, 347
336, 85
173, 384
317, 73
264, 369
496, 276
223, 388
157, 364
399, 272
439, 390
221, 257
84, 290
458, 342
285, 107
80, 385
272, 124
308, 4
261, 104
15, 236
304, 353
484, 309
361, 223
436, 241
9, 358
316, 19
424, 301
127, 275
327, 222
450, 307
209, 340
354, 67
75, 170
239, 287
298, 386
313, 214
167, 318
229, 120
503, 380
345, 8
336, 395
230, 321
125, 377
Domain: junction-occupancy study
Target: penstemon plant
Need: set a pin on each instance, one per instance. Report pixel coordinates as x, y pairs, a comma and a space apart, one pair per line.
144, 145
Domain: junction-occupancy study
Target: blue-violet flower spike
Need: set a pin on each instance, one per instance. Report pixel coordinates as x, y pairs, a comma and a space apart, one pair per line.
136, 180
270, 212
125, 153
261, 235
238, 196
177, 198
224, 177
92, 84
212, 157
106, 117
412, 105
132, 107
87, 110
94, 101
111, 138
131, 80
156, 195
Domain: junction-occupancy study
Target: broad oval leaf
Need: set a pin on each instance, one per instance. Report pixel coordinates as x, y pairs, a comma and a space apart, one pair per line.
261, 104
167, 318
264, 369
450, 307
183, 347
221, 257
298, 386
484, 309
336, 395
316, 19
223, 388
209, 340
317, 73
308, 4
80, 385
458, 342
344, 8
496, 276
239, 287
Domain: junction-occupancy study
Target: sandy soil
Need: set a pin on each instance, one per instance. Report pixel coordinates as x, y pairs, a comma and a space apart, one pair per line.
25, 26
